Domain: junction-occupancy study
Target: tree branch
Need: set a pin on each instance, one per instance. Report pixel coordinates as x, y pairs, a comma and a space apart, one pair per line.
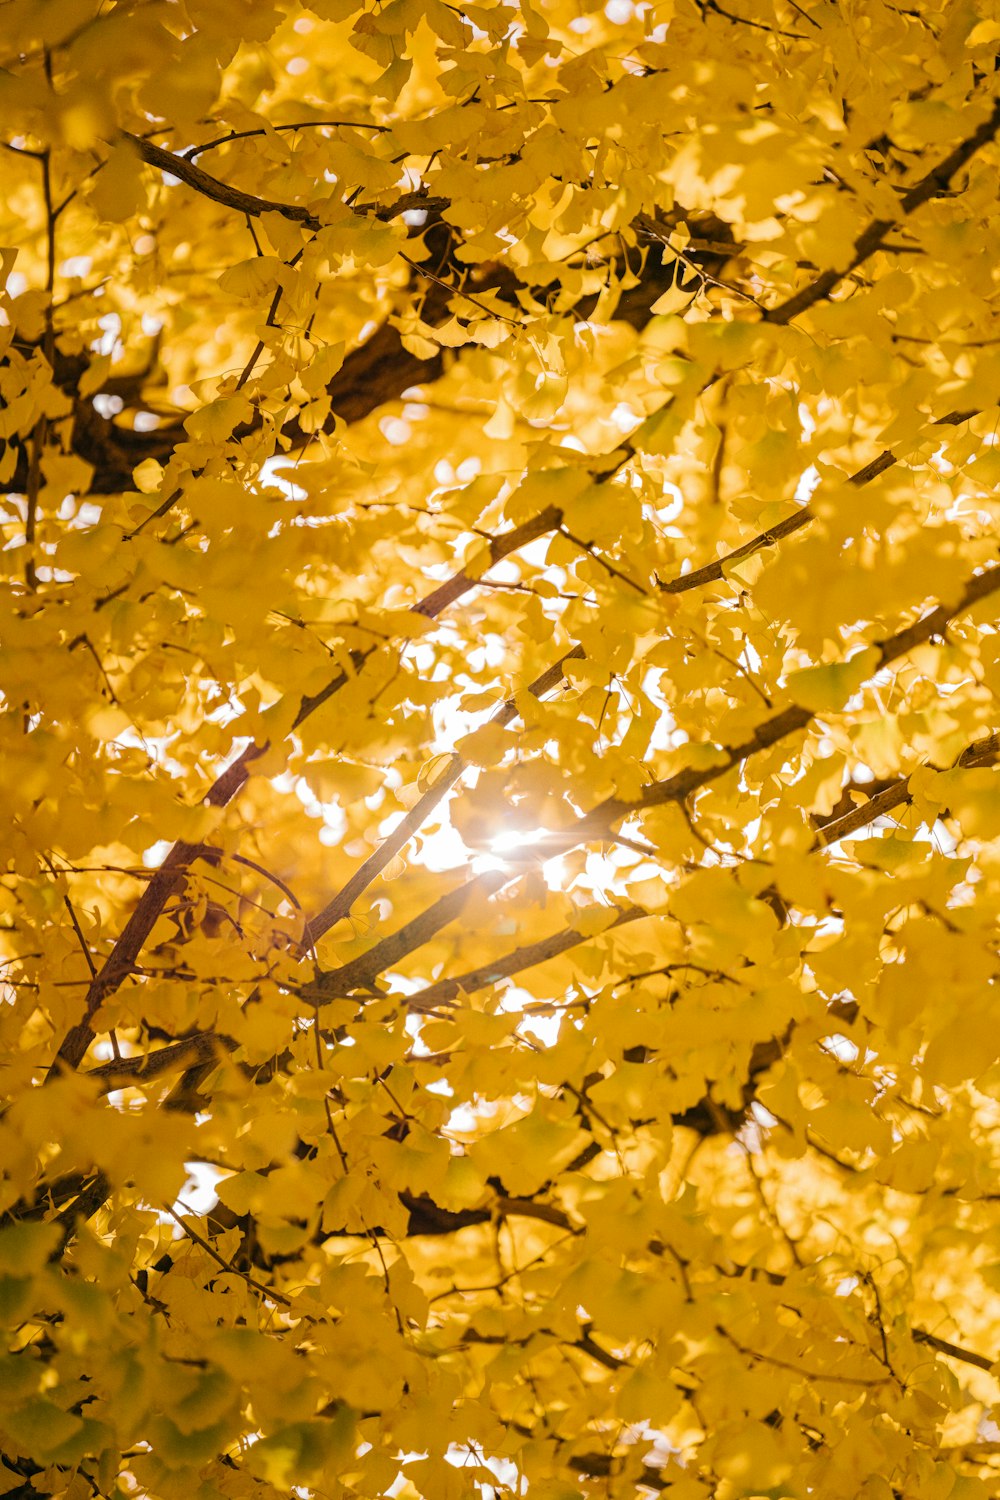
982, 753
361, 971
715, 572
445, 991
125, 1072
220, 192
676, 788
954, 1351
871, 238
122, 958
340, 904
440, 598
780, 726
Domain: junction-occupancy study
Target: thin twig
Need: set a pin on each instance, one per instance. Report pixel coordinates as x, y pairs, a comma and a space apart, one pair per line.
270, 1292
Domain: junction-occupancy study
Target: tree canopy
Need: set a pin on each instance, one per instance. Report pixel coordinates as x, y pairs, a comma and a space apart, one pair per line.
500, 833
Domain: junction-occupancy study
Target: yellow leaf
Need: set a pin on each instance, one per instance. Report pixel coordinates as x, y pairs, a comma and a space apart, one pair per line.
827, 689
119, 189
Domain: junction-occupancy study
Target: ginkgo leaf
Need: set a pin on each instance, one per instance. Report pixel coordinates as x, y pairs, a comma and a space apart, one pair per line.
298, 1452
119, 190
826, 689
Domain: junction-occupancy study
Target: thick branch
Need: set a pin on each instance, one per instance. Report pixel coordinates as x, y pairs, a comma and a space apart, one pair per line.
340, 904
781, 725
953, 1351
983, 753
124, 1072
376, 372
248, 203
123, 956
873, 236
361, 971
677, 788
440, 598
381, 369
129, 944
715, 572
444, 991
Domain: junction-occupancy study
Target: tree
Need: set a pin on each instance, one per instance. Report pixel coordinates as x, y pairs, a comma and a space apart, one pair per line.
499, 734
